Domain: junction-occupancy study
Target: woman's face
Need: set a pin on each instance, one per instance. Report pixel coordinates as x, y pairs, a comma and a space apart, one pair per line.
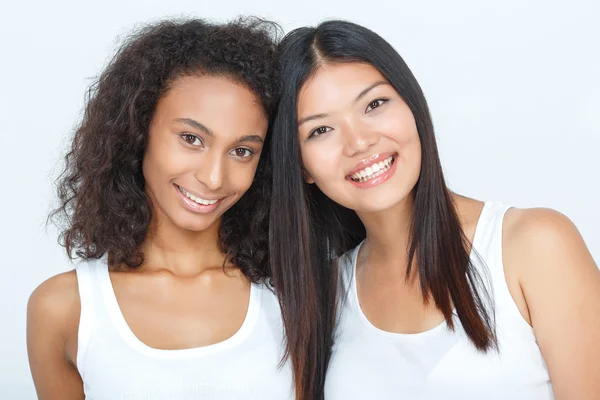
204, 144
358, 138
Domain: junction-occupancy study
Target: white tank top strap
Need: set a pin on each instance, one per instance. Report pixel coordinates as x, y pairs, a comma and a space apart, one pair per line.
488, 245
489, 227
95, 319
86, 316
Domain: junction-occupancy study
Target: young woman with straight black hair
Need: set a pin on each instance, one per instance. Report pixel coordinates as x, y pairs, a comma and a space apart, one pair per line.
422, 293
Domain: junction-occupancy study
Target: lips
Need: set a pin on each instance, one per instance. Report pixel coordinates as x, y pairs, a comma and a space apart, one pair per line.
372, 167
198, 199
196, 204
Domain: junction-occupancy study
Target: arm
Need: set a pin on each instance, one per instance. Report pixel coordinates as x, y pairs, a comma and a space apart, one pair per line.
52, 323
561, 285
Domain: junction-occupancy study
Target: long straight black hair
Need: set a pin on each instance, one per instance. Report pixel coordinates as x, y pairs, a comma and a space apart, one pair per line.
308, 231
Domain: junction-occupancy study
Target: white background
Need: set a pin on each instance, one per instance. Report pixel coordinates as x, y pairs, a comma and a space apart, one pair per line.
513, 85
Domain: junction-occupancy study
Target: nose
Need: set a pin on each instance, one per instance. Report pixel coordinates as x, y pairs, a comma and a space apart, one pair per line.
358, 138
210, 172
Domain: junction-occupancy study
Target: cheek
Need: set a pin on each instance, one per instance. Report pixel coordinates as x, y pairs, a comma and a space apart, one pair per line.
410, 161
161, 158
399, 126
409, 139
320, 162
241, 176
151, 168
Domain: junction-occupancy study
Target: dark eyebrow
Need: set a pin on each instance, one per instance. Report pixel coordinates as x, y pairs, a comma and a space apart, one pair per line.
360, 96
367, 90
311, 117
195, 124
251, 138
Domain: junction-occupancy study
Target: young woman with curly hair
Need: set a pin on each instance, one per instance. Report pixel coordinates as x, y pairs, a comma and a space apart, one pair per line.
165, 199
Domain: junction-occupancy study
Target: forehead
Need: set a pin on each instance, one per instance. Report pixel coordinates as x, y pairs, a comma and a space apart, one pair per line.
218, 102
332, 83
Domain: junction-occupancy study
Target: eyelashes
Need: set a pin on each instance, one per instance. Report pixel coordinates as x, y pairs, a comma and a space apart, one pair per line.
319, 131
192, 139
243, 153
374, 104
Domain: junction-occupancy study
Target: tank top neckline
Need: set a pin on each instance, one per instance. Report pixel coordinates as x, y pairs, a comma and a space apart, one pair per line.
407, 336
120, 324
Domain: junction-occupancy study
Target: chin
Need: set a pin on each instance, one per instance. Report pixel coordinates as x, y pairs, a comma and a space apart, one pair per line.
195, 224
374, 208
379, 205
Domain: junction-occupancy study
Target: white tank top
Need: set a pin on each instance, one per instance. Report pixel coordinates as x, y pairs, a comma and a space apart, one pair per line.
369, 363
115, 365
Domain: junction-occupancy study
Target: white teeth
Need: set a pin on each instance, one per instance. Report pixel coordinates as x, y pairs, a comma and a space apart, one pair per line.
373, 170
196, 199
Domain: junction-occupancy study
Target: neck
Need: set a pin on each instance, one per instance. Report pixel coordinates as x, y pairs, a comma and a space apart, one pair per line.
388, 234
181, 252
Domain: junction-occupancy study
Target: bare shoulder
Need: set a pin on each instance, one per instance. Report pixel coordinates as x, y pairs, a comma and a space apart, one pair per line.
52, 326
541, 245
54, 304
560, 284
542, 234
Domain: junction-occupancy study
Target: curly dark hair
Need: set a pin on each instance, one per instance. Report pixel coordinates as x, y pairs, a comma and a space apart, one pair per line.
103, 207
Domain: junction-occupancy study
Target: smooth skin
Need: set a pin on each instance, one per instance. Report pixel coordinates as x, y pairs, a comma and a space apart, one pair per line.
348, 112
206, 136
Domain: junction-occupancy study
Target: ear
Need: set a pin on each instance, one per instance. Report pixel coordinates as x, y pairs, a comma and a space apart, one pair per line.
307, 178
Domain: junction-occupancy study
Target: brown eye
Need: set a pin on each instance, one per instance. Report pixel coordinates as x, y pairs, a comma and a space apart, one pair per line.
242, 152
374, 104
319, 131
191, 139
